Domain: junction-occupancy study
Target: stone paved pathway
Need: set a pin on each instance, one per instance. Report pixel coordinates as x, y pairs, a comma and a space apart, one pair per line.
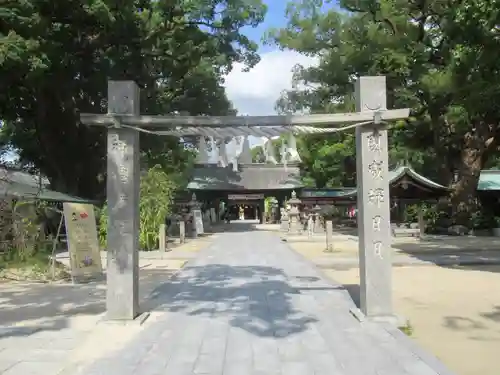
251, 306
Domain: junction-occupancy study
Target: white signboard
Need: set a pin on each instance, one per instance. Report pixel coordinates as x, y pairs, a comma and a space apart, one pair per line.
198, 221
245, 197
81, 234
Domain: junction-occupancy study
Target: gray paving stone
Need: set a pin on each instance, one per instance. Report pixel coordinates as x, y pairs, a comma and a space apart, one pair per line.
37, 355
237, 368
5, 365
248, 305
296, 368
34, 368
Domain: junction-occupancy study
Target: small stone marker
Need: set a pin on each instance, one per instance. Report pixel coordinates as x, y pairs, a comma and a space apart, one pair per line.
329, 236
162, 237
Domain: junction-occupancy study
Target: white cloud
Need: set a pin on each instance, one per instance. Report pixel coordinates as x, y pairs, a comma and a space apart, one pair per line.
255, 92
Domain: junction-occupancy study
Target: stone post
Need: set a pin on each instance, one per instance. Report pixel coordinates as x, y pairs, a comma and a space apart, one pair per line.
421, 221
329, 235
182, 230
123, 180
373, 203
162, 237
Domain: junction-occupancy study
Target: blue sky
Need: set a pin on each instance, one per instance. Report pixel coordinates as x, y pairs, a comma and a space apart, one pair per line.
275, 17
256, 92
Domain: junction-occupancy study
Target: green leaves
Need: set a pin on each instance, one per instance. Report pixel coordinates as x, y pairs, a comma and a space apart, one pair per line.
157, 192
440, 59
56, 58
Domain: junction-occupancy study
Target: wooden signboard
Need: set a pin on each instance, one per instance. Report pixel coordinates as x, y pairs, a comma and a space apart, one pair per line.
83, 246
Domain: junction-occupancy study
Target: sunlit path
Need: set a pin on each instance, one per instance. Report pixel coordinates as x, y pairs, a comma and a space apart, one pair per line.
250, 305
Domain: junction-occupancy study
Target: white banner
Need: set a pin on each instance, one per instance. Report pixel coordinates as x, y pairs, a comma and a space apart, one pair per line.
81, 235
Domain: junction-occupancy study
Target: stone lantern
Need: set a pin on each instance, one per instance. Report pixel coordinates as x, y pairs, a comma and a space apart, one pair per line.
190, 216
294, 214
317, 219
193, 203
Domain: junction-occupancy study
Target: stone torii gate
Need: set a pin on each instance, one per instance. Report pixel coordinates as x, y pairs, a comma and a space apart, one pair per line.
124, 122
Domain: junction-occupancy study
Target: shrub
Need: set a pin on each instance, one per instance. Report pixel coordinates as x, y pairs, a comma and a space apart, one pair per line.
157, 190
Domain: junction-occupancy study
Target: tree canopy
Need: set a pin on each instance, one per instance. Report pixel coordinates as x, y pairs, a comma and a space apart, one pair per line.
440, 60
57, 56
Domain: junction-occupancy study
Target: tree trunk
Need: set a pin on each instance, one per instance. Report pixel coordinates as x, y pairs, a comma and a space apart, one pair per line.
464, 201
72, 155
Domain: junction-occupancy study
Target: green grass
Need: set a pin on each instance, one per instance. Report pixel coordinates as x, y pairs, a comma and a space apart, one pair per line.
36, 267
14, 261
407, 329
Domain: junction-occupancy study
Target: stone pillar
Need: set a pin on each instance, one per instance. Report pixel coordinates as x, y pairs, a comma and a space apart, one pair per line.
123, 180
373, 203
262, 210
182, 230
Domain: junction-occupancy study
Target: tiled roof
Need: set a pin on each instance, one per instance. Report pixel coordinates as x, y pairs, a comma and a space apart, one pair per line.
405, 170
18, 184
249, 177
394, 177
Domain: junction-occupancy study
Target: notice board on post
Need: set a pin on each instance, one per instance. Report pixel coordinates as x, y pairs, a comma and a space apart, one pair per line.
83, 245
198, 222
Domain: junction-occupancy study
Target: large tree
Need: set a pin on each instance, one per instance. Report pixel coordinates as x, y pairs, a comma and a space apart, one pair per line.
440, 60
56, 58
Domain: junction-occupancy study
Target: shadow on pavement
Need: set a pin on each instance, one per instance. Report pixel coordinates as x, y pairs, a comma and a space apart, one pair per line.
254, 298
28, 308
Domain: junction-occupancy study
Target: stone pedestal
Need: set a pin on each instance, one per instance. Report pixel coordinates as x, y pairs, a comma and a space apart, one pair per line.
122, 293
284, 222
310, 226
295, 227
318, 228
